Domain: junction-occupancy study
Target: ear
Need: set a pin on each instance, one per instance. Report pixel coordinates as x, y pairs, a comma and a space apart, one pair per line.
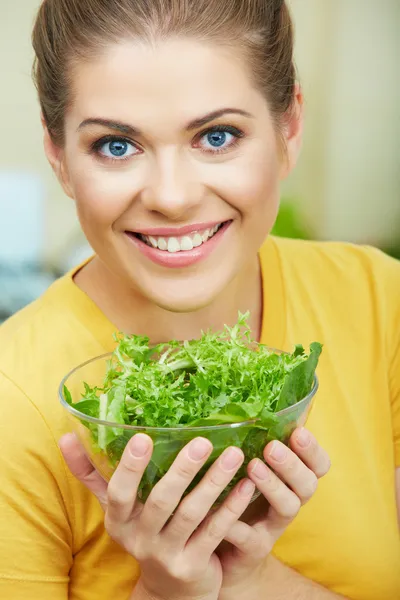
56, 157
293, 133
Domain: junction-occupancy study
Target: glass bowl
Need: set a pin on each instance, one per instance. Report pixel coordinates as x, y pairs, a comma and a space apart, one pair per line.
105, 441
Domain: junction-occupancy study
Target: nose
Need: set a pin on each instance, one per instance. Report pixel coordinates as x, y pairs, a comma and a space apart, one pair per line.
171, 188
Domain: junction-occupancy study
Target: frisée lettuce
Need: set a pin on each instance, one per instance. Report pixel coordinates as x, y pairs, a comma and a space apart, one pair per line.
221, 378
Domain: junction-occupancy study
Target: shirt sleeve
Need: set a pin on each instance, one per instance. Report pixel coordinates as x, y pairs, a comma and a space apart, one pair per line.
389, 268
36, 538
394, 375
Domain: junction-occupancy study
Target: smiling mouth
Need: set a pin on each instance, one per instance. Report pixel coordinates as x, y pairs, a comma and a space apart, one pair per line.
182, 243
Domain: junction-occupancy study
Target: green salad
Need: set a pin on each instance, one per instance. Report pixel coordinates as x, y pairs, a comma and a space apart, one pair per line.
222, 378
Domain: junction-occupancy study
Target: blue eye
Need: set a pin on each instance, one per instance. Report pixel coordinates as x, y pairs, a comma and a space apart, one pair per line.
217, 139
116, 149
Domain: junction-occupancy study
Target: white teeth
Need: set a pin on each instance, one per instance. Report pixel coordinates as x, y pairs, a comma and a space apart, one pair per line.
186, 243
162, 243
197, 240
206, 235
173, 245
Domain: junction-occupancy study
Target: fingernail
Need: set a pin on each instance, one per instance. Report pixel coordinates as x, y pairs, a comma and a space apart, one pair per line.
139, 445
259, 470
246, 488
199, 448
303, 438
278, 451
68, 437
231, 458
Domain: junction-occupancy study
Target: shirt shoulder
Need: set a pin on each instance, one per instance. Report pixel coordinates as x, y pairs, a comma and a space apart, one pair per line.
43, 342
338, 268
337, 256
349, 296
343, 282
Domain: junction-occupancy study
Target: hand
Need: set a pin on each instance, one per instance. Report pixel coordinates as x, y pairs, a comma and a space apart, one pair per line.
300, 467
176, 553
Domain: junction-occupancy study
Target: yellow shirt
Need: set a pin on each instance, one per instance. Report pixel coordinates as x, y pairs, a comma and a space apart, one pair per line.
52, 541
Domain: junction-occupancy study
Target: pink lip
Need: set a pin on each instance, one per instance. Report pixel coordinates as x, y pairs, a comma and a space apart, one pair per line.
179, 259
177, 231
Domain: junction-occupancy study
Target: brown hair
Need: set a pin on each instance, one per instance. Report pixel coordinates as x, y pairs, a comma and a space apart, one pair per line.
67, 31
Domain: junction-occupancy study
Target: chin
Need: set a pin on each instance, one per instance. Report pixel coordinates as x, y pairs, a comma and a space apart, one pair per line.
184, 296
182, 303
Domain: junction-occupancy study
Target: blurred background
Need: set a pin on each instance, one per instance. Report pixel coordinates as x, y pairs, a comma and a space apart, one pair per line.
347, 183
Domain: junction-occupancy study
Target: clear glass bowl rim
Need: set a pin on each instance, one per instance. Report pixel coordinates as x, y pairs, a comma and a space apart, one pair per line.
143, 428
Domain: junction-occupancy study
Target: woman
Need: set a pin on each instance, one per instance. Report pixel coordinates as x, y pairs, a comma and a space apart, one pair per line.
171, 123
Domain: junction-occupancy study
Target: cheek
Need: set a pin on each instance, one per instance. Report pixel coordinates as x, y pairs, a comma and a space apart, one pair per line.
101, 195
251, 183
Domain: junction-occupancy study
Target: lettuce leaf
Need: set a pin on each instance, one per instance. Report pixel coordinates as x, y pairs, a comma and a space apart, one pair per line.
220, 378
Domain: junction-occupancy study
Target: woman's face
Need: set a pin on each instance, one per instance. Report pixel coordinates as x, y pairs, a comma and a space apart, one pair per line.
173, 161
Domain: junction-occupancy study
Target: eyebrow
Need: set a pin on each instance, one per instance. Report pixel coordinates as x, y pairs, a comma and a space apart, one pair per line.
216, 114
122, 127
195, 124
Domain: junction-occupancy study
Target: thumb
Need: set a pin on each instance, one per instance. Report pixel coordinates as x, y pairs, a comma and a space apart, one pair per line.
81, 467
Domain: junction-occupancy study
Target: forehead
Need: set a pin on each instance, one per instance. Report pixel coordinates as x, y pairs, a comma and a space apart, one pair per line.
177, 80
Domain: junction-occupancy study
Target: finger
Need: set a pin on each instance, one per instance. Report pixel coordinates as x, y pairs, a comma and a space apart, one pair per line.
304, 444
167, 493
194, 508
123, 485
253, 545
81, 467
291, 469
286, 503
217, 525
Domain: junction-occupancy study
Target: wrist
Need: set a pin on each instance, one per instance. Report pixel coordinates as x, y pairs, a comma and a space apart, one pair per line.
251, 585
141, 592
240, 592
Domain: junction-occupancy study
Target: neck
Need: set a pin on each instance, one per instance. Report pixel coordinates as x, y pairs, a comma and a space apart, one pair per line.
132, 313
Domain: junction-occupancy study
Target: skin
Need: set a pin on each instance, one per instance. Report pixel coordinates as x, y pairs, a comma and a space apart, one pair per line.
173, 182
169, 180
183, 557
